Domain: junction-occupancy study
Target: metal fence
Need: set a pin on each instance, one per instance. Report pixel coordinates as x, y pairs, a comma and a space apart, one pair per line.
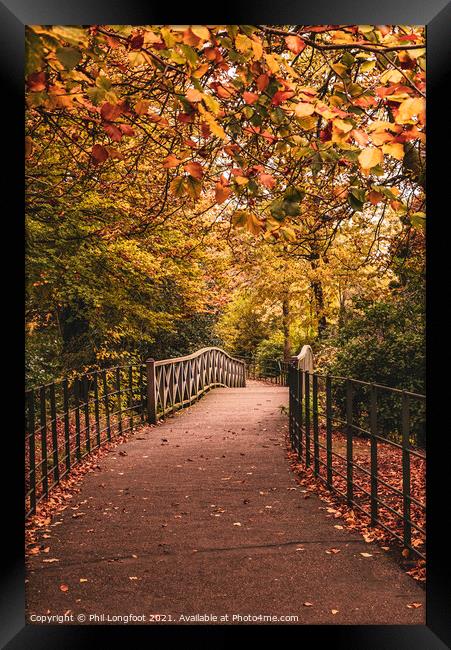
66, 420
273, 371
355, 443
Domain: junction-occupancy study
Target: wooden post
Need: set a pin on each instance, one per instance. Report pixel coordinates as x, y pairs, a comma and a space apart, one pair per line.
151, 394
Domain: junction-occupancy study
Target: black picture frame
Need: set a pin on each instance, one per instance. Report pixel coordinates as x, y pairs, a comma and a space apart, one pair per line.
436, 14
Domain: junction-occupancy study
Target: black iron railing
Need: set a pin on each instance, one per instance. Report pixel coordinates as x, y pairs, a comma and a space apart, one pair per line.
68, 419
366, 442
273, 371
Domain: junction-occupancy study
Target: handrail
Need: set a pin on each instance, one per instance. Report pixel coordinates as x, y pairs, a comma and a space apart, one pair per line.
175, 383
70, 418
163, 362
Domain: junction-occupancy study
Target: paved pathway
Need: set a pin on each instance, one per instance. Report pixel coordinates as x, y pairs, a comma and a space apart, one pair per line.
203, 516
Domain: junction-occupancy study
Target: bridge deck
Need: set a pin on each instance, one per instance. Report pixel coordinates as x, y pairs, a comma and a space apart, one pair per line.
203, 515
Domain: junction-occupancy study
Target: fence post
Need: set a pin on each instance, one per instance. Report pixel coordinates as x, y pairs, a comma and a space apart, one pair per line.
299, 394
349, 441
315, 426
406, 469
151, 394
373, 427
307, 417
329, 430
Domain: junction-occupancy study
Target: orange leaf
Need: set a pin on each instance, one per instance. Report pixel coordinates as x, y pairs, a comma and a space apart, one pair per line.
222, 193
194, 169
250, 98
110, 112
294, 43
112, 130
375, 198
64, 588
193, 95
281, 96
267, 180
262, 82
171, 161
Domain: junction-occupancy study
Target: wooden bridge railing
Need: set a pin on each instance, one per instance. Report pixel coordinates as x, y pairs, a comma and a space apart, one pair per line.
68, 419
175, 383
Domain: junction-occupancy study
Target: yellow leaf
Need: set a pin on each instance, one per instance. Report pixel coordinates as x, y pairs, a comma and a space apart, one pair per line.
343, 126
272, 63
243, 43
215, 128
395, 149
212, 104
303, 109
391, 75
257, 48
370, 157
339, 68
241, 180
409, 108
201, 71
201, 32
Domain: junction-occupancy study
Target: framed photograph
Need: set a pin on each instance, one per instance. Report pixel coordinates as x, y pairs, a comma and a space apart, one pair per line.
226, 254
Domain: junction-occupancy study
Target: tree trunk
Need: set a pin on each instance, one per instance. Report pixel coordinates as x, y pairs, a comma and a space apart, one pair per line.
319, 307
286, 327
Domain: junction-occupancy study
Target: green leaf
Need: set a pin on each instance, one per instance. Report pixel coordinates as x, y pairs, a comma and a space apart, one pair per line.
193, 187
178, 186
294, 194
239, 218
418, 219
356, 198
69, 56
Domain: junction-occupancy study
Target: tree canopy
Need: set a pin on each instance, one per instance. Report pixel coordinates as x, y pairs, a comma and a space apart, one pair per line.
180, 177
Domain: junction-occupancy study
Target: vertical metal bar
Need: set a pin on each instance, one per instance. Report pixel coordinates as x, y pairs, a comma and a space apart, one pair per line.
151, 393
315, 426
96, 408
32, 450
141, 393
86, 412
43, 423
299, 403
66, 423
130, 404
291, 407
107, 405
77, 418
119, 400
55, 455
349, 446
406, 468
373, 429
307, 418
329, 431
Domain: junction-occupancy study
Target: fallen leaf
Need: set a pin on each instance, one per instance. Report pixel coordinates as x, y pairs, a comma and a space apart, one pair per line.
64, 588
